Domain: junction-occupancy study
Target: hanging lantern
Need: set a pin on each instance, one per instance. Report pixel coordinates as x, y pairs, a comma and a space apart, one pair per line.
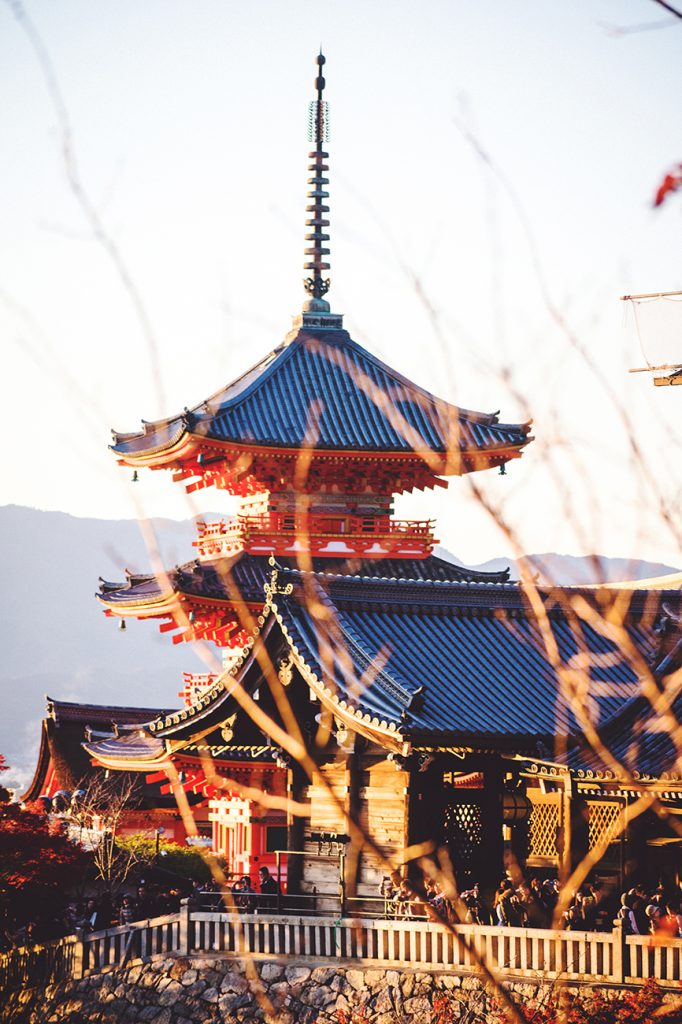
516, 807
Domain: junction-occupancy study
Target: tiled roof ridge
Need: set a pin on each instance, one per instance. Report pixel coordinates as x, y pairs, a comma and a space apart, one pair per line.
70, 711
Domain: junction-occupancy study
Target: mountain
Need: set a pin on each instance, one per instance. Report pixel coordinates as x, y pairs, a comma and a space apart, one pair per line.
571, 570
57, 641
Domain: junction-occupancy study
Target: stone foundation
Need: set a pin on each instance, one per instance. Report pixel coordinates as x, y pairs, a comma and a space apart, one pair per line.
220, 991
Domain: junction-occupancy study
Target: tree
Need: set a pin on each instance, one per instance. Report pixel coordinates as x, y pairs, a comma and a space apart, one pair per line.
38, 863
97, 813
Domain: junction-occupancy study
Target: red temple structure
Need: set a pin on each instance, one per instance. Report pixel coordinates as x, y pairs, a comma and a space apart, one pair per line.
373, 683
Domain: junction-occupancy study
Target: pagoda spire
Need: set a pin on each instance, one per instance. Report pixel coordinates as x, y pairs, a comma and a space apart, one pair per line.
316, 285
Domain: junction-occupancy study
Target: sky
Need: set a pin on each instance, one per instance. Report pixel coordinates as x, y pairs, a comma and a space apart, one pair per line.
492, 170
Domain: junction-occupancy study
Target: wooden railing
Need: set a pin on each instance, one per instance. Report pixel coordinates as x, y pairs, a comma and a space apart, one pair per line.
225, 536
602, 957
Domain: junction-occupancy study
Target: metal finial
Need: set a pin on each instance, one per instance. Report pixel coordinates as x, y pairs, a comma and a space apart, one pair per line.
316, 222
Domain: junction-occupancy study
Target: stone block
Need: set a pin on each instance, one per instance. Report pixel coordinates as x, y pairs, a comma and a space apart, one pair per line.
419, 1010
356, 979
283, 1017
375, 979
297, 975
163, 1017
171, 993
234, 983
393, 979
323, 975
319, 996
273, 972
189, 977
210, 995
229, 1002
385, 1001
178, 968
407, 985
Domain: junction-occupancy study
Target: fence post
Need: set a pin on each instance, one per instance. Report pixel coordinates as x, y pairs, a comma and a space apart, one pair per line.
78, 956
620, 952
183, 929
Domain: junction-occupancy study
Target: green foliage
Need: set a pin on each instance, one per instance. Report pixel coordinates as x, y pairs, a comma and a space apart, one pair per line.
185, 861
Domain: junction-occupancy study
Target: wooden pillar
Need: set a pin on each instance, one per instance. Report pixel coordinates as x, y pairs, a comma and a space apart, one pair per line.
491, 865
353, 852
296, 785
579, 835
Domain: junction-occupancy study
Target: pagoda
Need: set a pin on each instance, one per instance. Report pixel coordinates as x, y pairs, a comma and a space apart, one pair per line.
315, 440
397, 698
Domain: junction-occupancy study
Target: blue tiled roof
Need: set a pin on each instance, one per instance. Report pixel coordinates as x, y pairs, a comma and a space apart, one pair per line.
476, 649
250, 573
326, 390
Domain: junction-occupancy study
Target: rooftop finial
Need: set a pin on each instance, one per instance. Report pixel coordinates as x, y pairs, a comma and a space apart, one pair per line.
316, 222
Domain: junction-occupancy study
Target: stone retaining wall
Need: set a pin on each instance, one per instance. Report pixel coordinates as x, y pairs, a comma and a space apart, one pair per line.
220, 991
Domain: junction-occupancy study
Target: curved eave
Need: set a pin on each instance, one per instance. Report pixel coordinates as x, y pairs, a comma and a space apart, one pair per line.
148, 608
170, 605
126, 764
178, 449
37, 783
441, 461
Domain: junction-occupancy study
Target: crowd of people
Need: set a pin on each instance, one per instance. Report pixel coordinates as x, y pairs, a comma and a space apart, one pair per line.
533, 904
95, 913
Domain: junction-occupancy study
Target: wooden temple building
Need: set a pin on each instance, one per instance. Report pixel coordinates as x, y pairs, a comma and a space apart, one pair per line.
380, 697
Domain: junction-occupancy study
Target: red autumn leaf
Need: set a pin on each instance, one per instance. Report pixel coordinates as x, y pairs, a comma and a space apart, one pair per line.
670, 183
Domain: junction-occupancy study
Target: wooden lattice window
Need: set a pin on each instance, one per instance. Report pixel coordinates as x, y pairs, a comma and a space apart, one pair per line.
604, 823
544, 826
463, 828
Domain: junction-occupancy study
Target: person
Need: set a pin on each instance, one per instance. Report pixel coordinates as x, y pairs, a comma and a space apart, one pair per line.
472, 901
244, 895
590, 913
145, 901
403, 900
655, 918
626, 917
388, 892
93, 920
269, 889
128, 912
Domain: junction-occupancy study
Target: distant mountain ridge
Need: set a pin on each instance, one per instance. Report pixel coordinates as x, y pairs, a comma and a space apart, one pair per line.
57, 641
574, 570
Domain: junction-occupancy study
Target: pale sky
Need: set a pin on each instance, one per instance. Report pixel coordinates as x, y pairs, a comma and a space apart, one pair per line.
188, 126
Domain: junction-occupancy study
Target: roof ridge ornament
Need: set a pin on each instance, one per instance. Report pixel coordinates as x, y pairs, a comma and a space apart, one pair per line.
316, 309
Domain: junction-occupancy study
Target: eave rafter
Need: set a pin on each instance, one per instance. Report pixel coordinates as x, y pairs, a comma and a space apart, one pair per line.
245, 469
198, 618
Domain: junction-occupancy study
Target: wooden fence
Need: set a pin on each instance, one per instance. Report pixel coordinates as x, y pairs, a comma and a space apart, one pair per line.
514, 953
